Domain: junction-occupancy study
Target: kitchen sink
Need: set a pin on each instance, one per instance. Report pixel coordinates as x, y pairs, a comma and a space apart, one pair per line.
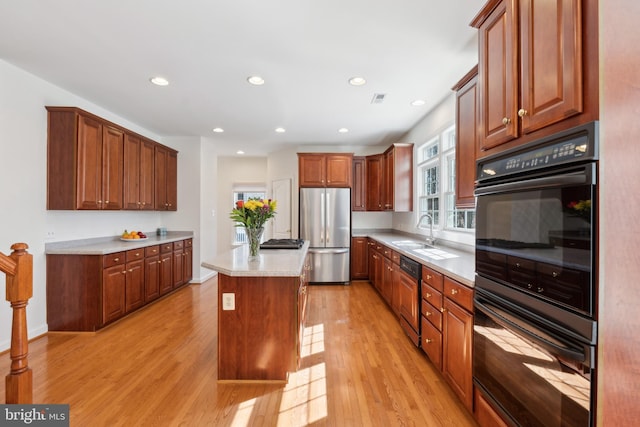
410, 244
423, 249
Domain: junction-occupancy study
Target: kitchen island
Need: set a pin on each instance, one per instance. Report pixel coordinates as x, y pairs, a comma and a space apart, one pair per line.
261, 310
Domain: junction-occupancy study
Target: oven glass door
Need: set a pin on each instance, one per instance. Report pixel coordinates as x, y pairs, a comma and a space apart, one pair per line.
536, 235
532, 384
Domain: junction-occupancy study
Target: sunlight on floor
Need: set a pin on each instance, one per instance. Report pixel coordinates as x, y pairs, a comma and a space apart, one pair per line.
243, 413
312, 341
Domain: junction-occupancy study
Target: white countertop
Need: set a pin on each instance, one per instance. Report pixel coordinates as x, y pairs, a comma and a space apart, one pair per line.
271, 262
109, 245
458, 264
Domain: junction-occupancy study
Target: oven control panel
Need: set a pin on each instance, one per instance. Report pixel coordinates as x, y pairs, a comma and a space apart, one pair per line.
561, 149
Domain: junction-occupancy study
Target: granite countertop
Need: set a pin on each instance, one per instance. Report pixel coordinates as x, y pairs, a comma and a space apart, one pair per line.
457, 263
271, 263
109, 245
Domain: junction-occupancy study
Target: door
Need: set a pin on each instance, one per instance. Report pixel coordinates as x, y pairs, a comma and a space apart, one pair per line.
282, 221
338, 217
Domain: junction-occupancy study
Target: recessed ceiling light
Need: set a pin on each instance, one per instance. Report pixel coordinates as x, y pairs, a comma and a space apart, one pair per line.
343, 130
417, 102
218, 130
255, 80
239, 152
281, 130
357, 81
159, 81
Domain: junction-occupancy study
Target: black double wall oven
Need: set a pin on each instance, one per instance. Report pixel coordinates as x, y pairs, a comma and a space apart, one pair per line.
535, 317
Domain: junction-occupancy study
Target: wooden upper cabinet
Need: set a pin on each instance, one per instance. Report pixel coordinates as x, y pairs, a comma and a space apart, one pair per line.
93, 164
138, 173
374, 168
324, 169
359, 184
397, 189
166, 179
546, 87
467, 141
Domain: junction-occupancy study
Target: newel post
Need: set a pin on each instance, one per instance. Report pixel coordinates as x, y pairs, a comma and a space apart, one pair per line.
19, 382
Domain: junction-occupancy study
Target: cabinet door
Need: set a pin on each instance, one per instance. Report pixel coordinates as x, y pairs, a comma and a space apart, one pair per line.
172, 181
166, 272
152, 278
89, 164
187, 268
498, 75
359, 258
551, 55
134, 293
338, 170
178, 268
312, 170
113, 293
387, 280
457, 332
160, 166
112, 168
359, 185
374, 182
466, 141
388, 180
147, 153
409, 300
132, 173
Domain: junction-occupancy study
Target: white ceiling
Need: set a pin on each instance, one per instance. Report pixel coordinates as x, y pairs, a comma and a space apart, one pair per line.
306, 50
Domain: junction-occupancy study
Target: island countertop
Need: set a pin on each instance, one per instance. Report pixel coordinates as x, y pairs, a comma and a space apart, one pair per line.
271, 263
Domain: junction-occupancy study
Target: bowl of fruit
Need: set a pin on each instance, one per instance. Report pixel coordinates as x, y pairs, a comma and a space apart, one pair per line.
133, 236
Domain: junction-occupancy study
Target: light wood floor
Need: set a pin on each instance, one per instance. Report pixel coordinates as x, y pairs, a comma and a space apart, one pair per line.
157, 367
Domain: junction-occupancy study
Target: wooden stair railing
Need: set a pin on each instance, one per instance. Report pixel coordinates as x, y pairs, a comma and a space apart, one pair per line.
18, 268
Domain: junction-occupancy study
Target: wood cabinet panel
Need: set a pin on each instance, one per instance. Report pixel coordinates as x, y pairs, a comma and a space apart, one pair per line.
325, 169
484, 413
166, 184
166, 272
457, 335
467, 141
359, 184
151, 278
134, 291
432, 343
113, 293
138, 173
89, 164
359, 258
112, 168
374, 168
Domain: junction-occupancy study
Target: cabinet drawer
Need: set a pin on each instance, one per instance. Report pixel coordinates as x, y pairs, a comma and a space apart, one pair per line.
386, 252
113, 259
432, 314
462, 295
188, 243
395, 257
135, 254
166, 247
432, 295
151, 250
178, 245
432, 278
432, 343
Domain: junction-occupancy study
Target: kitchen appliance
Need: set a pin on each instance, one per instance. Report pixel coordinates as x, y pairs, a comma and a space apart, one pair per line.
410, 275
282, 244
535, 323
325, 220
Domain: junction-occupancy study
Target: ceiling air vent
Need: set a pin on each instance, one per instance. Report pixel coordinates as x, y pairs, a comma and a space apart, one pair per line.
378, 98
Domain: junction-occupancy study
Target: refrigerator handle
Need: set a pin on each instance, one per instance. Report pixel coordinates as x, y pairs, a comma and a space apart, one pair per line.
322, 213
328, 225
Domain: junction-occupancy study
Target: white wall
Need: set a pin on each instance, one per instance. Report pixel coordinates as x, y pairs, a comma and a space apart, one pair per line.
23, 166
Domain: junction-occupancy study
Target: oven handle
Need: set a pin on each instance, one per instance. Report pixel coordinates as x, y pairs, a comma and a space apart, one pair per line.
553, 348
571, 178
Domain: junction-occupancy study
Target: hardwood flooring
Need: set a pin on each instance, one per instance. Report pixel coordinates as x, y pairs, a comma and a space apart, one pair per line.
158, 367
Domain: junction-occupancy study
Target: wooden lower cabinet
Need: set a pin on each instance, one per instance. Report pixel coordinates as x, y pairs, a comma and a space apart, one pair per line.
484, 413
359, 258
178, 264
87, 292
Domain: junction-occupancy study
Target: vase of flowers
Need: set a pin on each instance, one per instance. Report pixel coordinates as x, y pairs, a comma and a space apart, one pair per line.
252, 215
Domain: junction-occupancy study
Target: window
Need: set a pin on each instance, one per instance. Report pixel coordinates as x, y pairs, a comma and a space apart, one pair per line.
437, 184
239, 235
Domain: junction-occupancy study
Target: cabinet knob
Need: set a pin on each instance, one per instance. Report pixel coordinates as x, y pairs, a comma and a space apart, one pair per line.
522, 112
442, 310
428, 341
540, 289
554, 274
99, 202
159, 262
116, 259
427, 314
454, 291
506, 121
427, 295
429, 277
124, 272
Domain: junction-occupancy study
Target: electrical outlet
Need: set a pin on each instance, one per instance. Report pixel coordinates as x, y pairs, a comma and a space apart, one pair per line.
228, 301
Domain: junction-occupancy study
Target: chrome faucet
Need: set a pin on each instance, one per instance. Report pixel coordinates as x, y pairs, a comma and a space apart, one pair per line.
431, 240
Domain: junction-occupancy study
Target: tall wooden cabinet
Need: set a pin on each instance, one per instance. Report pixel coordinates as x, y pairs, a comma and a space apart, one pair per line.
139, 156
359, 184
467, 141
388, 184
166, 179
375, 171
530, 72
325, 169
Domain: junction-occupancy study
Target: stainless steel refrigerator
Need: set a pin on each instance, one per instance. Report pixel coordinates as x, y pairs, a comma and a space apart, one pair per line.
325, 220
